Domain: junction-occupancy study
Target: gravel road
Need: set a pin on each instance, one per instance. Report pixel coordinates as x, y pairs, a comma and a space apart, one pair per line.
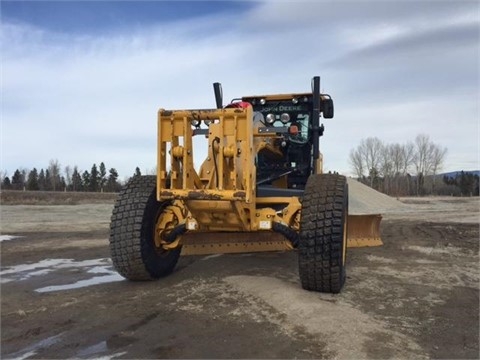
415, 297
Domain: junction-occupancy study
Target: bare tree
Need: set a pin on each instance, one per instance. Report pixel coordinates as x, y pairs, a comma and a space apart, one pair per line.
397, 161
366, 158
420, 160
54, 170
371, 149
3, 175
396, 157
389, 165
386, 166
438, 156
68, 175
428, 159
408, 155
357, 163
24, 175
423, 154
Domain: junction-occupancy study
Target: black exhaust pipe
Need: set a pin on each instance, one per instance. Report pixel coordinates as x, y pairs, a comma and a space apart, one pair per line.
316, 121
217, 88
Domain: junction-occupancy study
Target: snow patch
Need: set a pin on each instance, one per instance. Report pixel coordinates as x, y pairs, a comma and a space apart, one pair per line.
25, 271
428, 250
211, 256
32, 350
92, 352
8, 237
82, 283
100, 268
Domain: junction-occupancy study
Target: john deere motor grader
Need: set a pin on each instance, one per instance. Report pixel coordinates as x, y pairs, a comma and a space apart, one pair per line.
260, 188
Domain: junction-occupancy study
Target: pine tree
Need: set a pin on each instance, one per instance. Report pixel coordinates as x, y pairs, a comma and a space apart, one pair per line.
63, 184
6, 184
76, 180
86, 181
41, 180
32, 182
467, 183
94, 179
112, 183
17, 181
48, 180
102, 176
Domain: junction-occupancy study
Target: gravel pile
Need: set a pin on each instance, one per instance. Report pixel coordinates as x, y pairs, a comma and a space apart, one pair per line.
364, 200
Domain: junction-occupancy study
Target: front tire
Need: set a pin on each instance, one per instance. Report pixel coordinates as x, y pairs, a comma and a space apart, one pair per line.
323, 233
132, 232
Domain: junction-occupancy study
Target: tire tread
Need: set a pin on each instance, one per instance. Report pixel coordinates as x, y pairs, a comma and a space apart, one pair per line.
131, 248
324, 213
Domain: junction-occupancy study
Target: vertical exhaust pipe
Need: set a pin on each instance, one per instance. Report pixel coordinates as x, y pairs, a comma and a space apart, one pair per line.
316, 121
217, 88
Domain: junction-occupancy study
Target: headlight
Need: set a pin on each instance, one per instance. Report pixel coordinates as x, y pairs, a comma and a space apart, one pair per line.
207, 122
295, 100
284, 118
195, 122
270, 118
263, 101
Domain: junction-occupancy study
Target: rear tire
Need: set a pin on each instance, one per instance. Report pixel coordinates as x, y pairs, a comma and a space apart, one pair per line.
323, 233
132, 232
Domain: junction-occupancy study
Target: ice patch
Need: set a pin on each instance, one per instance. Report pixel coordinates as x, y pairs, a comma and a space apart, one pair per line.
380, 259
26, 355
31, 350
101, 347
113, 356
8, 237
211, 256
100, 267
43, 267
452, 250
82, 283
92, 352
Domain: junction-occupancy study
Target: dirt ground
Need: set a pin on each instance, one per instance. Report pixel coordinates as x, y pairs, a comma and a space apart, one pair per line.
415, 297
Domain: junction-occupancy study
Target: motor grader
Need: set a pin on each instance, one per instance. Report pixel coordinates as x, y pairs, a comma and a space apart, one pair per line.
260, 188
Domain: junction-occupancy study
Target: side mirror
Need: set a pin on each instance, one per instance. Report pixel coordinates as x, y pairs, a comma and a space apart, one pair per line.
327, 108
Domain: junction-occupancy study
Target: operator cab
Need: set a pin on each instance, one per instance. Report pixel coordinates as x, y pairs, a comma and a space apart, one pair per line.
291, 116
295, 119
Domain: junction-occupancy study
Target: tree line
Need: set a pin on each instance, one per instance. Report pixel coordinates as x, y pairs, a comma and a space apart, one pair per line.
467, 184
400, 169
52, 178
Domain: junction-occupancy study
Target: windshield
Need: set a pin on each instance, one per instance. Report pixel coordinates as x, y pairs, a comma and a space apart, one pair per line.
301, 121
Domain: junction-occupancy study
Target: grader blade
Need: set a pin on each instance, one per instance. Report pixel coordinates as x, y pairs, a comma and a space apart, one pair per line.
239, 242
364, 230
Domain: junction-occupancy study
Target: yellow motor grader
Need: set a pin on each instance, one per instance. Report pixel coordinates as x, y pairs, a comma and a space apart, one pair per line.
260, 188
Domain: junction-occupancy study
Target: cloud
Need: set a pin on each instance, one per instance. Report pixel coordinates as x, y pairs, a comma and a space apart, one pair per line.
60, 95
394, 71
431, 50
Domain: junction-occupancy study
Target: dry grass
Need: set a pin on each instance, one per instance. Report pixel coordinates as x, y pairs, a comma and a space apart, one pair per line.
12, 197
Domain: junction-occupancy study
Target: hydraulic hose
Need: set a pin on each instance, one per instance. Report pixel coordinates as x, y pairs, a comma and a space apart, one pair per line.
286, 231
177, 231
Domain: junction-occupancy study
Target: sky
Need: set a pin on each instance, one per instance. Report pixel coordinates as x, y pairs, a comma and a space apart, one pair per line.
81, 81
